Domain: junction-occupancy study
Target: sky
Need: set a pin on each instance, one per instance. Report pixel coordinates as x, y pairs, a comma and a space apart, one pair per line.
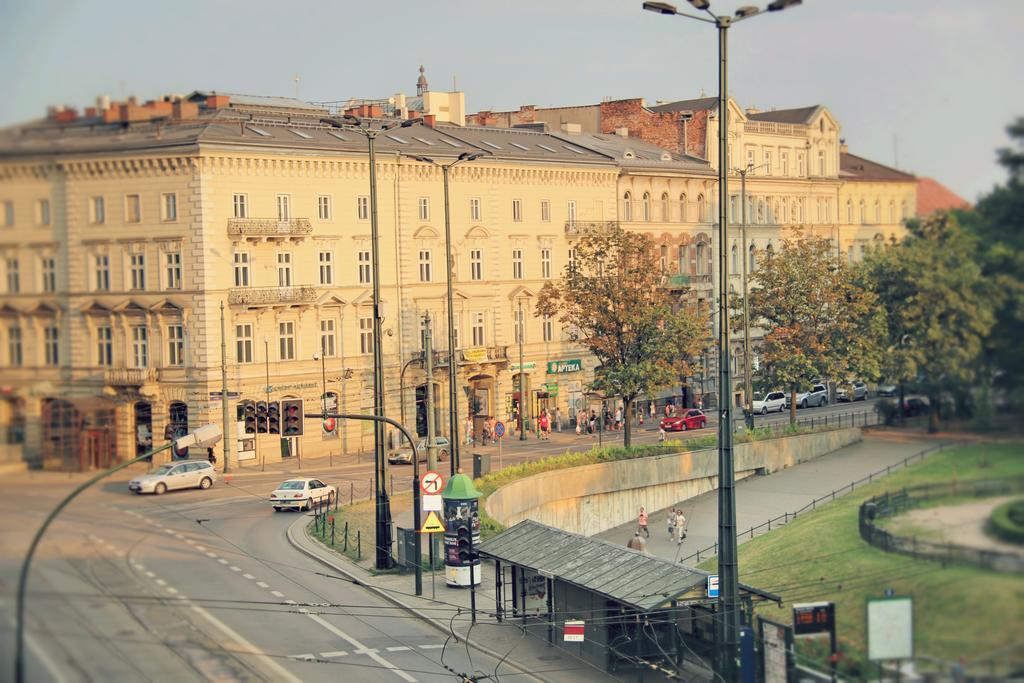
928, 85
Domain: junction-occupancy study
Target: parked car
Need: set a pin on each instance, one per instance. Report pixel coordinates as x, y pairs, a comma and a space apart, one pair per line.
887, 389
816, 396
912, 406
301, 494
691, 419
774, 401
858, 391
404, 457
181, 474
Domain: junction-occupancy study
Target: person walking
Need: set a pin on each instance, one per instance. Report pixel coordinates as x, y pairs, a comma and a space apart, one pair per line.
680, 527
558, 419
642, 522
544, 425
654, 411
671, 519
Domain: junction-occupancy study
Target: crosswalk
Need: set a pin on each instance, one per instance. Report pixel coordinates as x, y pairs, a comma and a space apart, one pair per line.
316, 656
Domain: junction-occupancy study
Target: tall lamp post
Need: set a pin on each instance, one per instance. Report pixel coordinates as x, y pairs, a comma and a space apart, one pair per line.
520, 333
747, 386
453, 397
728, 625
382, 507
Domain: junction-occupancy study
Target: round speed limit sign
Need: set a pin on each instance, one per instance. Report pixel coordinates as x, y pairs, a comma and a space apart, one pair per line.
431, 483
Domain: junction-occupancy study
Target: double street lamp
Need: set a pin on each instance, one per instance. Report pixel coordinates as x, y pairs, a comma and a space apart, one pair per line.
453, 398
747, 384
727, 626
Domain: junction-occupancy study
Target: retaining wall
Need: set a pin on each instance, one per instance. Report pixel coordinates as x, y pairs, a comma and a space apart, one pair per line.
590, 499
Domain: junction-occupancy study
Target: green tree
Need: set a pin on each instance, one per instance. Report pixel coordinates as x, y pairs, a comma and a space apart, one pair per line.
939, 306
818, 318
611, 298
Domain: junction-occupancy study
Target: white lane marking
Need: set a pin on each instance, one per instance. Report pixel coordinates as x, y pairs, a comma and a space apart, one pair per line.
360, 647
179, 537
308, 656
213, 555
150, 575
172, 590
222, 561
282, 674
138, 566
190, 542
431, 647
262, 585
201, 548
398, 648
292, 602
338, 653
168, 531
248, 576
277, 594
161, 582
234, 568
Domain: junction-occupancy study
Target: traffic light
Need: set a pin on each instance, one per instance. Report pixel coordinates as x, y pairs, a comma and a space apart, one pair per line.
421, 410
463, 543
273, 418
247, 414
293, 417
329, 425
261, 417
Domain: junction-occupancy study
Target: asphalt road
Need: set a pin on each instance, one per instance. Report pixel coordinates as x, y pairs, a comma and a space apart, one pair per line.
197, 585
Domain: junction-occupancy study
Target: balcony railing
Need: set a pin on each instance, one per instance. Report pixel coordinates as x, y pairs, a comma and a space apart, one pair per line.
579, 227
270, 296
775, 128
269, 227
129, 377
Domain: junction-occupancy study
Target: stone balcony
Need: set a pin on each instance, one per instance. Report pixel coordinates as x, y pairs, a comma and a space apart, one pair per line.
580, 227
303, 295
269, 229
129, 377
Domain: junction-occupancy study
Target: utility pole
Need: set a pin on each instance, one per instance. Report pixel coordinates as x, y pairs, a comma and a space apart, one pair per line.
747, 388
228, 434
428, 367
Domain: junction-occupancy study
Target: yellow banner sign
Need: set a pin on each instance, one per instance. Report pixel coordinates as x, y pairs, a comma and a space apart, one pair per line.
477, 354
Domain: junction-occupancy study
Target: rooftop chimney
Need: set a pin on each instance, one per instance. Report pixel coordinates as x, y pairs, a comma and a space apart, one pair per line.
622, 131
843, 147
428, 120
572, 128
217, 101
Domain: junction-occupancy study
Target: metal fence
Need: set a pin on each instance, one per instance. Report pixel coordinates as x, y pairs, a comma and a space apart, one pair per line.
786, 518
894, 503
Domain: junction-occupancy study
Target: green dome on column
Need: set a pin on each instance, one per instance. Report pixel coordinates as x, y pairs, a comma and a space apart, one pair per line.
460, 487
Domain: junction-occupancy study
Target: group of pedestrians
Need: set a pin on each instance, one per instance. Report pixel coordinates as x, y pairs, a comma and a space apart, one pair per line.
676, 521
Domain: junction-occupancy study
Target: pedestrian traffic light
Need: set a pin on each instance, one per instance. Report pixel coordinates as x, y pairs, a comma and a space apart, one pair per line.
247, 414
261, 417
293, 417
273, 417
421, 410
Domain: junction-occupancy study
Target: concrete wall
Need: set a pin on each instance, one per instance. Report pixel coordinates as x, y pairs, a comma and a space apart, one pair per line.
593, 498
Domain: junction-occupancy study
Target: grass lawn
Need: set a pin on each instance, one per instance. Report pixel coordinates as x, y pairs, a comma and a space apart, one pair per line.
958, 610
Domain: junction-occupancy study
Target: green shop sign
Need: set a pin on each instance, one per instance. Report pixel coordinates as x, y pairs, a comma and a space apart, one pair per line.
557, 367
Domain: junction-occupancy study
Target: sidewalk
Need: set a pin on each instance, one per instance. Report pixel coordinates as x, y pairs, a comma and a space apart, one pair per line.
760, 498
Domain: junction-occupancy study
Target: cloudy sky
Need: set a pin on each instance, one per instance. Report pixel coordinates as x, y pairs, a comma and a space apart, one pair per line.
930, 83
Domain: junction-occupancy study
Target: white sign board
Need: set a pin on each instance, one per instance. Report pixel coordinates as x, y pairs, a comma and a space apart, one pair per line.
432, 503
536, 592
890, 629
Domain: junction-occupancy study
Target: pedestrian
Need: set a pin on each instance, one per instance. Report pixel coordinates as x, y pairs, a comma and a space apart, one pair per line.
543, 425
618, 418
486, 433
661, 434
653, 411
637, 543
668, 410
210, 456
671, 519
558, 419
469, 431
593, 421
640, 417
642, 522
680, 527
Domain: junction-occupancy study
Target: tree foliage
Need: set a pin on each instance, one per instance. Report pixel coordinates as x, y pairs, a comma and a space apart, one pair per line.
818, 318
611, 298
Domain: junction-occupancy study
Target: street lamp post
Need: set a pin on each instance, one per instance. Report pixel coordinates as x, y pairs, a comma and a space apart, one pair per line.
382, 507
520, 328
727, 626
747, 387
453, 397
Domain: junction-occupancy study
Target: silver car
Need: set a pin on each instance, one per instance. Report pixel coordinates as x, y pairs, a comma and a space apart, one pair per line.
183, 474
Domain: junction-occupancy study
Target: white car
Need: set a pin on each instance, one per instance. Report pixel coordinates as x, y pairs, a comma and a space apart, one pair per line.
183, 474
301, 494
774, 401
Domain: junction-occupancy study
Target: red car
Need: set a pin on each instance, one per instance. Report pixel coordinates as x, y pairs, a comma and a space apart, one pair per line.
692, 419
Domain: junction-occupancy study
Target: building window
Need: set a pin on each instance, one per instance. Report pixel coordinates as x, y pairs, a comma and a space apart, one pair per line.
767, 162
517, 264
284, 269
173, 262
43, 211
821, 163
904, 210
169, 206
572, 212
752, 265
51, 345
8, 213
479, 339
663, 258
545, 263
286, 340
517, 210
241, 259
49, 270
684, 259
363, 207
13, 276
892, 212
665, 207
476, 264
784, 163
849, 211
140, 346
878, 211
365, 336
323, 207
519, 324
734, 262
682, 207
327, 345
798, 210
132, 208
645, 206
326, 268
782, 211
549, 327
284, 207
14, 351
849, 254
97, 211
800, 165
243, 343
828, 210
102, 273
365, 272
769, 251
424, 207
175, 345
750, 158
627, 207
425, 274
545, 210
572, 259
104, 346
474, 209
701, 259
701, 209
456, 322
137, 266
241, 205
863, 211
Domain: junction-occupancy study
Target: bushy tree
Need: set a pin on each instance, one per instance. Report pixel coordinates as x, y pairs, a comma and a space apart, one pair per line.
818, 317
611, 299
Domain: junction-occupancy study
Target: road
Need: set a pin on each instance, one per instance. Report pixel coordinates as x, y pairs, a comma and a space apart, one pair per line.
197, 585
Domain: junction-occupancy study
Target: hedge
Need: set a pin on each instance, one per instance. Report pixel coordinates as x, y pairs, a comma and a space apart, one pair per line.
1007, 522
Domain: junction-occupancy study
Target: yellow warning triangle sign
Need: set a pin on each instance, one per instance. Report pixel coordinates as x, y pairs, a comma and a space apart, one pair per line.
433, 525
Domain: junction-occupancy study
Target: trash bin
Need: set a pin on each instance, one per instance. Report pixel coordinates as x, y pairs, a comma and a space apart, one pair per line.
406, 549
481, 464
